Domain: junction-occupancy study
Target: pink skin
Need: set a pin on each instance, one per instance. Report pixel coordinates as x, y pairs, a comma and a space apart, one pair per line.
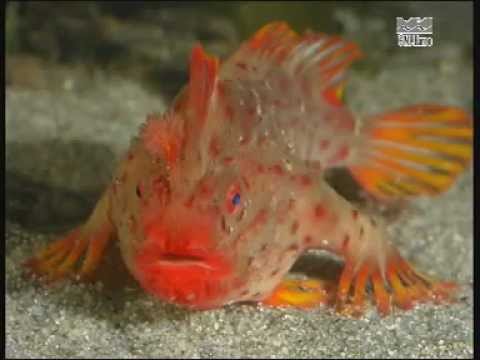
219, 197
241, 248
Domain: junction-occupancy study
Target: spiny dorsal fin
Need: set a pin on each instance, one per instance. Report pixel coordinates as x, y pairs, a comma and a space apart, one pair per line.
203, 77
322, 59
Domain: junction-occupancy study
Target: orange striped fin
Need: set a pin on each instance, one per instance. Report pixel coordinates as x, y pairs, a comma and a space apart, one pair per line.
417, 150
203, 77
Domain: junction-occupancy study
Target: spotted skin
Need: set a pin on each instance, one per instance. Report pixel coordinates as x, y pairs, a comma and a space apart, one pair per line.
219, 196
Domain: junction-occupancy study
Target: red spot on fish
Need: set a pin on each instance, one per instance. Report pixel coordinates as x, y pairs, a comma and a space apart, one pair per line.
355, 214
282, 54
205, 189
251, 112
227, 160
293, 247
294, 227
114, 188
221, 89
261, 218
244, 292
189, 202
340, 155
240, 215
246, 182
242, 65
261, 140
275, 272
284, 84
258, 221
177, 107
291, 204
320, 211
305, 180
224, 225
138, 190
130, 156
214, 147
278, 170
347, 125
307, 240
315, 165
306, 87
229, 112
260, 168
346, 241
324, 144
132, 223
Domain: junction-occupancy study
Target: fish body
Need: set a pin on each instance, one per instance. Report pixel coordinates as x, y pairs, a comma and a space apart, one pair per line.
220, 195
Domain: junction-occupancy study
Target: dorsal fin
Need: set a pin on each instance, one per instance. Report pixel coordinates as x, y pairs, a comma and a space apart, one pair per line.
322, 59
291, 83
203, 77
273, 36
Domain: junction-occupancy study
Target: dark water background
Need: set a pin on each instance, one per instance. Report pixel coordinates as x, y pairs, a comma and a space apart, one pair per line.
151, 40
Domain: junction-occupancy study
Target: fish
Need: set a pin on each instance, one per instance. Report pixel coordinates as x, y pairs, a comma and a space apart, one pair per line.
217, 197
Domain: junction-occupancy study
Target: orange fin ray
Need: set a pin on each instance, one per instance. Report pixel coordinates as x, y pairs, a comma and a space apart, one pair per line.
417, 150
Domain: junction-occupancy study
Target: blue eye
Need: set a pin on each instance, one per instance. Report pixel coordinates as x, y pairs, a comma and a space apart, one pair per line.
236, 199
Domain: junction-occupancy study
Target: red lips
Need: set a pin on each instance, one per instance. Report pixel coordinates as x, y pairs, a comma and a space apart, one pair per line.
179, 262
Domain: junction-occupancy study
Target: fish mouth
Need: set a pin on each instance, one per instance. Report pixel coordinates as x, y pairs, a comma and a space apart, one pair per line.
176, 260
185, 270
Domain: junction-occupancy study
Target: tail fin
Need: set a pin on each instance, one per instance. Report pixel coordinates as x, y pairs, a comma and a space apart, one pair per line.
417, 150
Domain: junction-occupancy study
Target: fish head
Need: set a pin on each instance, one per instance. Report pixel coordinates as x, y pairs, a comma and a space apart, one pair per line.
188, 255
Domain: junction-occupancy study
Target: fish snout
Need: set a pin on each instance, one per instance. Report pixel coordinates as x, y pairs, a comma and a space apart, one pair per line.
179, 261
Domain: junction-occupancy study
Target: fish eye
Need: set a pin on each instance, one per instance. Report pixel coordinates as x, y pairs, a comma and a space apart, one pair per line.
236, 199
233, 198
